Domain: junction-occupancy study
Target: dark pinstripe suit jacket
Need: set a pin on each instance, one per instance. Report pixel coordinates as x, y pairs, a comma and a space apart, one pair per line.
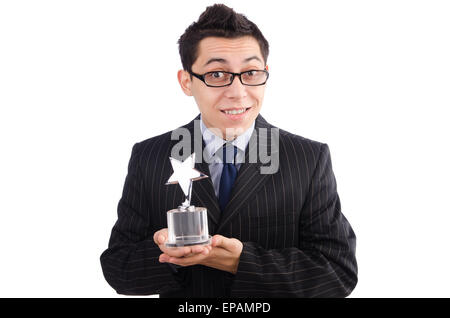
297, 242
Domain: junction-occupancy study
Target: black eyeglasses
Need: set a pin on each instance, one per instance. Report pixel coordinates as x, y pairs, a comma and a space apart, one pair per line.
222, 78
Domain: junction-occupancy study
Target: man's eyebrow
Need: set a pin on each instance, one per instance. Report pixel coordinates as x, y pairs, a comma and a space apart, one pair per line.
254, 57
223, 61
215, 59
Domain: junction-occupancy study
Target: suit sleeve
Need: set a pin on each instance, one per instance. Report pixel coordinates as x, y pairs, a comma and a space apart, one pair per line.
131, 263
324, 263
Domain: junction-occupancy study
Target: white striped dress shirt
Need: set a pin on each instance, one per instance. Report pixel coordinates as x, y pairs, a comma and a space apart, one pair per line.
214, 143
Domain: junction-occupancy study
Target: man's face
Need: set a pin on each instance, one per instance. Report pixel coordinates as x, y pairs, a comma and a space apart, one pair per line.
231, 55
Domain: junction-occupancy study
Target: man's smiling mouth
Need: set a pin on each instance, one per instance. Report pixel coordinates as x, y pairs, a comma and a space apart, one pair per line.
235, 111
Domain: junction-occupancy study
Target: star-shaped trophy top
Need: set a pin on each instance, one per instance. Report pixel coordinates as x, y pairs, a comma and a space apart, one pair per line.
184, 174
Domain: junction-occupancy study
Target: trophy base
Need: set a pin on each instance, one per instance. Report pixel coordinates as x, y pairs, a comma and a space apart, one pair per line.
187, 227
188, 241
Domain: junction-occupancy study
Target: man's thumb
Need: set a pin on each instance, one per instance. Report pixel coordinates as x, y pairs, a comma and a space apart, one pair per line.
219, 241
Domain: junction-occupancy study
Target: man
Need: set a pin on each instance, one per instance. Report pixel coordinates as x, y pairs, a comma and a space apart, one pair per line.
277, 228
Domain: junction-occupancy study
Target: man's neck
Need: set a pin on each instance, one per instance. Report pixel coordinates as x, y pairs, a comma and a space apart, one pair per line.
227, 134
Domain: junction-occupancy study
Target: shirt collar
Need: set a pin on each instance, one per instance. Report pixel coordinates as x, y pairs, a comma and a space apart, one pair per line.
214, 142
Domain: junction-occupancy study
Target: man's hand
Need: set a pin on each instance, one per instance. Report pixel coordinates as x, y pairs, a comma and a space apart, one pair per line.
160, 238
225, 254
222, 254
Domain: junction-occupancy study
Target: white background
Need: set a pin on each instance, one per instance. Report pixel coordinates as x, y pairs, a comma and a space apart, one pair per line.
82, 81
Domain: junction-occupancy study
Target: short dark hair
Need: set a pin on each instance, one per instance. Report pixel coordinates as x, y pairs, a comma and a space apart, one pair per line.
218, 21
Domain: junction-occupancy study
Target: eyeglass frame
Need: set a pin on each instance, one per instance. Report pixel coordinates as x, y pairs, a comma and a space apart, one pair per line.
202, 77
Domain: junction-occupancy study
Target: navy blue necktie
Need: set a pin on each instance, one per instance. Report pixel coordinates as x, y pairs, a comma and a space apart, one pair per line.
229, 173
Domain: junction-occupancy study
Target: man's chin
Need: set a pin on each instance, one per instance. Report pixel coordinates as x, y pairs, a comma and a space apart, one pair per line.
232, 130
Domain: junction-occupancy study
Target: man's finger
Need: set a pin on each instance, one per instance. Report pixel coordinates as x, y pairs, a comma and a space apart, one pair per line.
160, 236
163, 258
219, 241
185, 261
176, 251
196, 249
155, 237
230, 244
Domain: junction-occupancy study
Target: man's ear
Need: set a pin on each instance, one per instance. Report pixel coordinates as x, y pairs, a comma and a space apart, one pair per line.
185, 82
267, 68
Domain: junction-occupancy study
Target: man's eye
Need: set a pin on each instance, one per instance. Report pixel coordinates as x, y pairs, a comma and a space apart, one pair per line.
217, 74
251, 73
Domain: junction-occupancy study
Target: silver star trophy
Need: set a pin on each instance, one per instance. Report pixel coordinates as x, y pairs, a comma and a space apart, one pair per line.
187, 225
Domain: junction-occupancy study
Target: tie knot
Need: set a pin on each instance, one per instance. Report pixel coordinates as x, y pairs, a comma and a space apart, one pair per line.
229, 153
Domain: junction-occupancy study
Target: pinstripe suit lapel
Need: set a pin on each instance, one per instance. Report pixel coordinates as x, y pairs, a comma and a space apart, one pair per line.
249, 180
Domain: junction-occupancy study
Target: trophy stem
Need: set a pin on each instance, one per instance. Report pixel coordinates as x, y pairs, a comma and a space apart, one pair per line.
186, 205
190, 193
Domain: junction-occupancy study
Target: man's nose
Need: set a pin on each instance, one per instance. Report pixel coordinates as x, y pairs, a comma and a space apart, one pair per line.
236, 90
